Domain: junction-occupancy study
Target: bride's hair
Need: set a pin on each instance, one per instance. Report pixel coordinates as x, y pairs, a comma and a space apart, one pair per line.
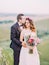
32, 26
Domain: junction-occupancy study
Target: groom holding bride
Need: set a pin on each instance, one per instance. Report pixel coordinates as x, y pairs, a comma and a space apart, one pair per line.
19, 31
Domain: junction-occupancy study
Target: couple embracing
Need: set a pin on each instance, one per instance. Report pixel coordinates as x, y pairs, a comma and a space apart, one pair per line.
20, 32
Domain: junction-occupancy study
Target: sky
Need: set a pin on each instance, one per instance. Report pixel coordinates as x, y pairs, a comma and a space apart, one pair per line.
24, 6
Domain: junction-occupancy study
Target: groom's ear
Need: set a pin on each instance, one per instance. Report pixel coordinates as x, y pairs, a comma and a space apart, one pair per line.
19, 16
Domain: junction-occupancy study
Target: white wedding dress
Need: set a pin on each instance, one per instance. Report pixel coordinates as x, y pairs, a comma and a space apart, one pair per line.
25, 57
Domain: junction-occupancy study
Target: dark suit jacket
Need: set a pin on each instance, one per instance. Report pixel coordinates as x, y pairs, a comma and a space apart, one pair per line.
15, 37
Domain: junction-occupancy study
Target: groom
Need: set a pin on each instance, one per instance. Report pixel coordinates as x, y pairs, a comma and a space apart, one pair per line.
16, 44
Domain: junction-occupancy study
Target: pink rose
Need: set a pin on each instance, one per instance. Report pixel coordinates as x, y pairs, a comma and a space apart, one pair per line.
31, 41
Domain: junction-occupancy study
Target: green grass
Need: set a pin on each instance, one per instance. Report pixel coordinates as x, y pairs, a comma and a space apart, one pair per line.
4, 32
44, 52
43, 49
7, 54
7, 57
42, 25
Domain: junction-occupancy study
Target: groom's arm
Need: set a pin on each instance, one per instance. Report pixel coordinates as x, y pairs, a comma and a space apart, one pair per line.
13, 37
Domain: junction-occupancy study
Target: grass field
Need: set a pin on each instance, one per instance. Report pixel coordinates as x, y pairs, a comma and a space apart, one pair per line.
44, 52
43, 47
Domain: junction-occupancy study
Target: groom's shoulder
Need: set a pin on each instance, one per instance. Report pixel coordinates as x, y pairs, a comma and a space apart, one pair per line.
14, 25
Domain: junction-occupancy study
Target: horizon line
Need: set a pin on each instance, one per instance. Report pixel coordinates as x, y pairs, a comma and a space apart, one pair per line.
26, 14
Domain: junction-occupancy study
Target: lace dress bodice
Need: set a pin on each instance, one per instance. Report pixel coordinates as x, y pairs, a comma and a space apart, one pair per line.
26, 33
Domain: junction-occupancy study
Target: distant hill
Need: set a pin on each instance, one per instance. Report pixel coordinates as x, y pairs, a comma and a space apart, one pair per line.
7, 14
12, 16
15, 14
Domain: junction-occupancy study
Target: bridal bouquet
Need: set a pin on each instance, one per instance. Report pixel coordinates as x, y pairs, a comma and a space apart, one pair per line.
31, 41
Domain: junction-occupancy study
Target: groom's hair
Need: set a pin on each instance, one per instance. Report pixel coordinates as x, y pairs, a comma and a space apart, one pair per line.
19, 17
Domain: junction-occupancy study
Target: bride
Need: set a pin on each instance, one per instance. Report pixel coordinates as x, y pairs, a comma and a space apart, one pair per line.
27, 58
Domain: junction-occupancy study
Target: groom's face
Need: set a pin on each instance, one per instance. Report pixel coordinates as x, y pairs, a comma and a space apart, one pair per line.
23, 19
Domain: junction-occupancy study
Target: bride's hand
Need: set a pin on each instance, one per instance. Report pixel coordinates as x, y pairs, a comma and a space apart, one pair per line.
24, 44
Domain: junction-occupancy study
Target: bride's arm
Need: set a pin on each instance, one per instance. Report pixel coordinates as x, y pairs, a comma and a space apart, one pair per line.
21, 39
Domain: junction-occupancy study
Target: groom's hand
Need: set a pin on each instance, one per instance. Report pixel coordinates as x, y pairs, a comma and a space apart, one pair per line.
23, 44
